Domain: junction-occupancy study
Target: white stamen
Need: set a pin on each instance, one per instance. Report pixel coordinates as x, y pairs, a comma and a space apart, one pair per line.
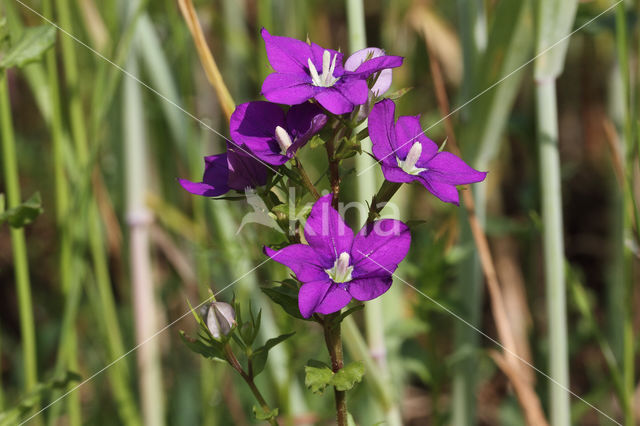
326, 79
283, 139
409, 163
314, 72
326, 63
341, 271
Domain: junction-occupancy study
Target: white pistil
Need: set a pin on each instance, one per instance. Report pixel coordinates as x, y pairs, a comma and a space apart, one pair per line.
326, 79
409, 163
341, 271
283, 139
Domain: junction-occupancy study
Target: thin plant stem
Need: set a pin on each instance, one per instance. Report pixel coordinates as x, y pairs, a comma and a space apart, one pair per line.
248, 378
18, 243
305, 179
67, 276
629, 209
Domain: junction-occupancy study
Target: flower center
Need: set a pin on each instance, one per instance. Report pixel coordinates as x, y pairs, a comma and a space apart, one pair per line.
283, 139
341, 271
409, 164
326, 79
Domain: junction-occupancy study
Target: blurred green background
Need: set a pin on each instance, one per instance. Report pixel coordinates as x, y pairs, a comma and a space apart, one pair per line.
104, 152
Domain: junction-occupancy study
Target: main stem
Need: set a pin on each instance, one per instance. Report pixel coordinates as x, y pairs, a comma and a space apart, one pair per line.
21, 266
334, 345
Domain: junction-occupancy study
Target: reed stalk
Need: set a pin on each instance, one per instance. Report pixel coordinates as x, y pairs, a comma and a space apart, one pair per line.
555, 20
139, 219
366, 186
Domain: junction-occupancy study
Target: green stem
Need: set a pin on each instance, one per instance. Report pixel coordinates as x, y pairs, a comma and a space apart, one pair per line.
25, 304
248, 378
629, 205
334, 345
553, 249
68, 345
305, 179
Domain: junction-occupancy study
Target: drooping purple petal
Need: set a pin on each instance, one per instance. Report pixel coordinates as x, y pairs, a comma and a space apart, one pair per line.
326, 231
382, 133
288, 88
393, 173
408, 132
444, 191
369, 288
322, 297
445, 167
385, 77
214, 180
285, 54
304, 121
244, 169
379, 247
301, 259
343, 96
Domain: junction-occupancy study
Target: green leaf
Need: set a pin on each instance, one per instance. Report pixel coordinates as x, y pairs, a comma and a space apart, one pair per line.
348, 376
259, 356
317, 376
23, 214
555, 21
259, 414
287, 298
33, 42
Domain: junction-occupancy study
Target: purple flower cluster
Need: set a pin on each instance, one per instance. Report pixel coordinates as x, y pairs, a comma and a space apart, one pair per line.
334, 266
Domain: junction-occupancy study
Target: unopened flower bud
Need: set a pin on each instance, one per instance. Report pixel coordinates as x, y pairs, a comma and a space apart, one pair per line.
220, 319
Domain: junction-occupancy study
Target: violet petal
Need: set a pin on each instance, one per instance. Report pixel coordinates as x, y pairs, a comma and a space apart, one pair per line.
322, 297
301, 259
286, 54
370, 287
214, 180
326, 231
445, 167
379, 247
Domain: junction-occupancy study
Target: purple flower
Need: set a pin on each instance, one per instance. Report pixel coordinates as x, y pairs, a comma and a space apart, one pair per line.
234, 169
407, 155
273, 137
336, 266
305, 71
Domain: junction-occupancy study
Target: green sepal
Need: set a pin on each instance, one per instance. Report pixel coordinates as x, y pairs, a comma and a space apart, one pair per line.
398, 93
23, 214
